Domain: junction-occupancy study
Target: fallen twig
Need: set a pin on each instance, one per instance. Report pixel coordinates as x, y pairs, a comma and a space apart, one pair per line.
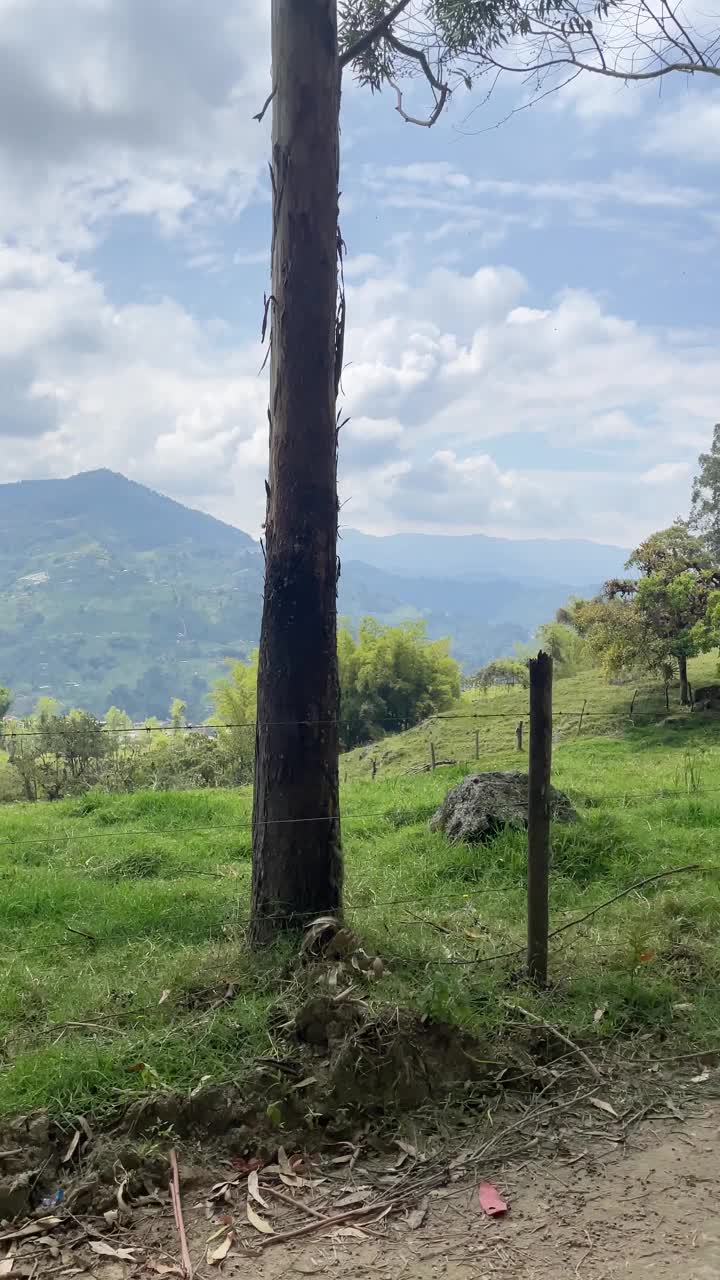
81, 933
384, 1207
295, 1204
524, 1119
559, 1035
179, 1221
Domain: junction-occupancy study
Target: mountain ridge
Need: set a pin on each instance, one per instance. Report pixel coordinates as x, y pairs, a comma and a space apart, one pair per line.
113, 593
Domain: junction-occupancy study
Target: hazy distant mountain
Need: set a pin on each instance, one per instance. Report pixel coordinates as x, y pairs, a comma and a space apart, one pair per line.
112, 593
475, 555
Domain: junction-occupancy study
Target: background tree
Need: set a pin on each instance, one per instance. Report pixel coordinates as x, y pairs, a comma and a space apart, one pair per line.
5, 700
234, 699
392, 678
178, 710
658, 620
502, 673
705, 509
118, 724
297, 865
77, 740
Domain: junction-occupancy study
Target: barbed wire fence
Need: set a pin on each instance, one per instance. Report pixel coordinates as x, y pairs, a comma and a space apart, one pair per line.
400, 810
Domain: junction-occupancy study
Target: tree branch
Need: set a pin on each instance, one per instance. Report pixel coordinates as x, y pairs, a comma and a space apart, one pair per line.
381, 28
441, 90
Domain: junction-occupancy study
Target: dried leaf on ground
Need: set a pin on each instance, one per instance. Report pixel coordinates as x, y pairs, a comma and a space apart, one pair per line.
491, 1202
254, 1189
599, 1014
164, 1269
361, 1196
602, 1105
74, 1144
349, 1233
260, 1224
32, 1229
124, 1208
417, 1216
704, 1075
221, 1251
106, 1250
409, 1149
165, 996
6, 1266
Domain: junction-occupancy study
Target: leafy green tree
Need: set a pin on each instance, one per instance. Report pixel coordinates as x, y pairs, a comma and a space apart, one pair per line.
657, 620
178, 708
5, 700
46, 707
76, 739
566, 647
502, 673
392, 678
705, 509
234, 696
118, 724
234, 699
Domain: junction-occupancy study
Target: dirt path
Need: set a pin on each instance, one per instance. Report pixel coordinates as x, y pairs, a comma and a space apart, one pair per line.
649, 1209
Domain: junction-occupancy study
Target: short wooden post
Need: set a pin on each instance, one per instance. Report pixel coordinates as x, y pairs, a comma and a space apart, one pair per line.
582, 715
632, 704
432, 755
374, 768
519, 736
477, 744
539, 767
667, 697
691, 696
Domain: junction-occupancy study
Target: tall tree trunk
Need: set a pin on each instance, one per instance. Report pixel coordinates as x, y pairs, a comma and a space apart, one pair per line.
684, 686
297, 865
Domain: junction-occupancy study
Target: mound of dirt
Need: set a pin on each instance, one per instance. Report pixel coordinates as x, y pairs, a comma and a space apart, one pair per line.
397, 1060
483, 805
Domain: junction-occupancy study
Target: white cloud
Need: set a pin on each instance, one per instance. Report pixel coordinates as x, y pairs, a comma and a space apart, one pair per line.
127, 108
666, 473
689, 131
437, 364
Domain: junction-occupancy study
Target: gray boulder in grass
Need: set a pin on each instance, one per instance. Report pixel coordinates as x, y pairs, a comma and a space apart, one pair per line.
484, 804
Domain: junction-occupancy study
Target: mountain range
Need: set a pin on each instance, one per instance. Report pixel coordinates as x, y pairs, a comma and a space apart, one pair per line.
111, 593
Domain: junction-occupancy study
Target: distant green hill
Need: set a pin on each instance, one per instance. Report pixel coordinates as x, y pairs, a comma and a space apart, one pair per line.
112, 593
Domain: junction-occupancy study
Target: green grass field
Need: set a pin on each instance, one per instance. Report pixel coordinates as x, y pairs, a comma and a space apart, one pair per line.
123, 918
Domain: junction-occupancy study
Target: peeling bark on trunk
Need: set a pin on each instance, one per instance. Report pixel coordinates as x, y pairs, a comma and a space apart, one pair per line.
684, 686
297, 865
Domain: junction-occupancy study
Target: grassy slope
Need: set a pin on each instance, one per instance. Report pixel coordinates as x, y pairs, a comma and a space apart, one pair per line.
161, 882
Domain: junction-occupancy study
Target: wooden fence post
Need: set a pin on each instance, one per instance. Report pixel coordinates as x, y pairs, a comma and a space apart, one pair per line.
519, 736
477, 744
539, 766
667, 697
582, 715
632, 704
432, 755
374, 768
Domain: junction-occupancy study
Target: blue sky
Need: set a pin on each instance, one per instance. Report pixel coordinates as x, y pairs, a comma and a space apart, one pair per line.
533, 321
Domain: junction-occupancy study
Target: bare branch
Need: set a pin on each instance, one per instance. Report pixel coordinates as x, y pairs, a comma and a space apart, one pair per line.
261, 114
